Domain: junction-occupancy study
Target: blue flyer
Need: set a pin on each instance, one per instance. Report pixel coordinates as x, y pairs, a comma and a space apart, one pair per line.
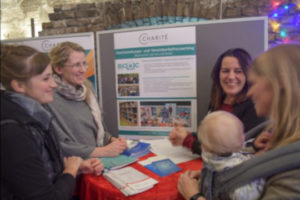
163, 167
139, 150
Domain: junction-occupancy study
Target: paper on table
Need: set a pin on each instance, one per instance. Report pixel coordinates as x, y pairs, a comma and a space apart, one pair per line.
177, 154
129, 180
152, 159
117, 161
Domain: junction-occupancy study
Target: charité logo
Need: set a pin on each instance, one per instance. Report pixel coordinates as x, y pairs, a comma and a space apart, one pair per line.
146, 38
128, 66
47, 45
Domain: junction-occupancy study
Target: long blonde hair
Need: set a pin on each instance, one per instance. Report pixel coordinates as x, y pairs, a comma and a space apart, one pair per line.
281, 67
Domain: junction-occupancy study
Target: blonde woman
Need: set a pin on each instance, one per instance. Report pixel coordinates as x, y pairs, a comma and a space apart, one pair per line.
275, 80
77, 116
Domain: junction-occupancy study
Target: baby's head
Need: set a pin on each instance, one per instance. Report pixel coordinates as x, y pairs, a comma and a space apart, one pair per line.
221, 132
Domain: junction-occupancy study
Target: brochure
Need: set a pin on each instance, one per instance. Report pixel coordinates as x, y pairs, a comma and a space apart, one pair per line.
137, 151
163, 167
117, 161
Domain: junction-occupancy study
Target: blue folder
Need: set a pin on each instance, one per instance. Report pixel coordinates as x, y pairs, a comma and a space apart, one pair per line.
163, 167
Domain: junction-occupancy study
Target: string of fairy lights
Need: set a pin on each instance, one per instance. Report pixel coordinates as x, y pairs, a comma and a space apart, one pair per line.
280, 10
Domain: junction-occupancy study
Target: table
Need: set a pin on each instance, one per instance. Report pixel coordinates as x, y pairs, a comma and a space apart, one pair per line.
98, 188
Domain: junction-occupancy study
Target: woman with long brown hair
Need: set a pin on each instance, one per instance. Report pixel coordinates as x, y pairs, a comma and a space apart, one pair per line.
228, 93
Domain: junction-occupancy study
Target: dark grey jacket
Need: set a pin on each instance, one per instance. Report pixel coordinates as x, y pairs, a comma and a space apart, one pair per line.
278, 166
31, 162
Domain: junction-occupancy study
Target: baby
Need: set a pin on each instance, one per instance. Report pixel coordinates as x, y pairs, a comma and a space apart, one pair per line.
222, 138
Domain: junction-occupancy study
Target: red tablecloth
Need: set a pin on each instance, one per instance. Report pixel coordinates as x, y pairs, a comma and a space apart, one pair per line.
98, 188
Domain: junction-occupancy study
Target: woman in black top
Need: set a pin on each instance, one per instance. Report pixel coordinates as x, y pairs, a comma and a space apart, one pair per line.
228, 93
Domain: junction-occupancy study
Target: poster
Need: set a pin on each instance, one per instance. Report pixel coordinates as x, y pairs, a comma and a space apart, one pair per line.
156, 80
46, 43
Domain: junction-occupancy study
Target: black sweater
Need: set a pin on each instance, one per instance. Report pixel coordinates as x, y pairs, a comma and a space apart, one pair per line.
245, 111
24, 144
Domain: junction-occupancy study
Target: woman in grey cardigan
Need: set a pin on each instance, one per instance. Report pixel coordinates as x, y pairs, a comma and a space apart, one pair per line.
78, 120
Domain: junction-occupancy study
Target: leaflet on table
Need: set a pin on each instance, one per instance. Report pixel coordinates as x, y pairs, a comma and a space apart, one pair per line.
164, 149
117, 161
129, 180
138, 150
160, 165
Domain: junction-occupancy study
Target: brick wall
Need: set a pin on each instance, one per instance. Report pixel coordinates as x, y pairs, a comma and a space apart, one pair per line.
115, 14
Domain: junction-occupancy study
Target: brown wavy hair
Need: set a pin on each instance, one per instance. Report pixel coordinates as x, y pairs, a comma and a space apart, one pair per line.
217, 94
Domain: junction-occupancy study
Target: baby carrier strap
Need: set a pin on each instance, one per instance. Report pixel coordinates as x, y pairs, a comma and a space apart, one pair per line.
8, 121
215, 184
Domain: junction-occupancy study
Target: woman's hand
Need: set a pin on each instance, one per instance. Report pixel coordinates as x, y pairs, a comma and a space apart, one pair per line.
122, 140
187, 186
72, 165
177, 135
196, 174
91, 166
114, 148
261, 142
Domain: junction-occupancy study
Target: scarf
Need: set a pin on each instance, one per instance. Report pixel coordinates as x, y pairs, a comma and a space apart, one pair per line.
79, 93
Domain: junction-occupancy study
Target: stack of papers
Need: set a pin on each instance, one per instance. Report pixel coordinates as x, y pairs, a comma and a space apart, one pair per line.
130, 181
178, 154
117, 161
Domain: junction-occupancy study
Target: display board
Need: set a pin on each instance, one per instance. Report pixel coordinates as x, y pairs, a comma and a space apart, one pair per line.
46, 43
151, 78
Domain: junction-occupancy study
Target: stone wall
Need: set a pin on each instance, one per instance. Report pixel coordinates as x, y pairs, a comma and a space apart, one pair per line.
73, 16
70, 18
16, 15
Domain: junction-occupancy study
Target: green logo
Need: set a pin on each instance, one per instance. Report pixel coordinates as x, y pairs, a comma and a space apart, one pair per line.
128, 66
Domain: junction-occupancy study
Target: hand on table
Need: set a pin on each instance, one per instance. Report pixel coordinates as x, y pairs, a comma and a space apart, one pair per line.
72, 165
187, 186
115, 148
122, 140
91, 166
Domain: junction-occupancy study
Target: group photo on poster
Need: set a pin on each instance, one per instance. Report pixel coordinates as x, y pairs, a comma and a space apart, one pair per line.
158, 114
165, 114
128, 84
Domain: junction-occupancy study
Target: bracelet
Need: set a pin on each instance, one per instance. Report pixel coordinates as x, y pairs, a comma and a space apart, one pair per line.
196, 196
